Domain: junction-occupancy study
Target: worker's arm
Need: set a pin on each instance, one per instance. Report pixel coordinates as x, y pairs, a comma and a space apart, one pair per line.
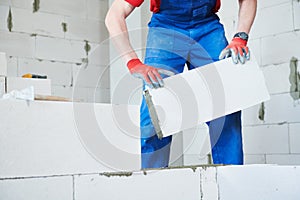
116, 24
237, 48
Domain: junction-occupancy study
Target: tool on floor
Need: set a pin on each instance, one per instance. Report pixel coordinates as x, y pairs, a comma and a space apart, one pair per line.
34, 76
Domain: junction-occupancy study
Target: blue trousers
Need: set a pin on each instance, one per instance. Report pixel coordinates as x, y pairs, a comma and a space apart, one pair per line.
171, 47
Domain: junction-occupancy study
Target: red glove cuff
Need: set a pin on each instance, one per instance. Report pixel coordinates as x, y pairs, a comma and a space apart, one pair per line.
133, 62
240, 41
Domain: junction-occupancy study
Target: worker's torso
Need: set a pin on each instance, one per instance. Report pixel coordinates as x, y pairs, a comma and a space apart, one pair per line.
183, 13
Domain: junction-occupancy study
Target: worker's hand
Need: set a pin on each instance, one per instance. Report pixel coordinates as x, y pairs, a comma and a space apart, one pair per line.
150, 75
238, 51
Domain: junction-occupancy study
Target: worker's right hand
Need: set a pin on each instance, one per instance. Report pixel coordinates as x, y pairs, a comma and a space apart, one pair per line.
150, 75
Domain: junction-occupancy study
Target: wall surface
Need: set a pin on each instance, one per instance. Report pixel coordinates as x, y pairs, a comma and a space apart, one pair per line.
66, 40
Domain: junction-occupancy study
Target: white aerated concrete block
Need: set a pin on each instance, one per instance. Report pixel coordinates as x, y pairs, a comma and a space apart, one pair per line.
254, 159
26, 4
195, 159
59, 49
262, 182
196, 140
3, 17
294, 132
12, 66
37, 23
287, 159
266, 3
280, 48
41, 86
16, 44
82, 29
266, 139
250, 116
282, 108
209, 185
91, 76
59, 73
44, 138
97, 9
49, 188
3, 64
255, 49
74, 8
277, 78
157, 184
99, 54
269, 22
2, 86
296, 13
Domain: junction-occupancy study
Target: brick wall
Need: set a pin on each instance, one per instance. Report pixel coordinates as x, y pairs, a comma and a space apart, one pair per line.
55, 39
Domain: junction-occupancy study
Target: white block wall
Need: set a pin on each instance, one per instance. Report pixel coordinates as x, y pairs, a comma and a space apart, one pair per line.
39, 44
274, 40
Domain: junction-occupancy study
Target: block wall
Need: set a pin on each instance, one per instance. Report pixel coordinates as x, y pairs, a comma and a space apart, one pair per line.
66, 40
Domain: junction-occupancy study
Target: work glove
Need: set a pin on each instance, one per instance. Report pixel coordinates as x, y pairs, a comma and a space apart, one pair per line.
150, 75
237, 49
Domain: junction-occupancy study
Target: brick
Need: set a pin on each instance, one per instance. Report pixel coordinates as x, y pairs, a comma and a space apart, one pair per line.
282, 108
59, 49
265, 4
294, 130
254, 159
280, 48
258, 182
266, 139
97, 9
277, 78
165, 184
74, 8
37, 188
59, 73
263, 26
250, 116
195, 159
3, 64
39, 23
12, 66
27, 4
62, 91
176, 152
296, 13
99, 54
17, 44
41, 86
44, 128
255, 49
229, 26
209, 187
196, 141
3, 17
229, 10
83, 29
287, 159
91, 76
2, 86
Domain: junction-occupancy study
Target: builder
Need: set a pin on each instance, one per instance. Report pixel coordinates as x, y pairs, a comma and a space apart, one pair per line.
183, 32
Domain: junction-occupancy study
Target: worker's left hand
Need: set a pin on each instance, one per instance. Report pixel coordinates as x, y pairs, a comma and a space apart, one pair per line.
238, 51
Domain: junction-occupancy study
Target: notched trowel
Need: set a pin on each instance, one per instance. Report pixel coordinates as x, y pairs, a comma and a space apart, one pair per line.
153, 114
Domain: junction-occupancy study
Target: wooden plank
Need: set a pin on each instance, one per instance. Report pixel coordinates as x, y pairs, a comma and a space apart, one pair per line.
207, 93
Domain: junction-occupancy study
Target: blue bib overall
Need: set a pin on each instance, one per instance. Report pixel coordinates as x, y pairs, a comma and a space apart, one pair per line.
187, 32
